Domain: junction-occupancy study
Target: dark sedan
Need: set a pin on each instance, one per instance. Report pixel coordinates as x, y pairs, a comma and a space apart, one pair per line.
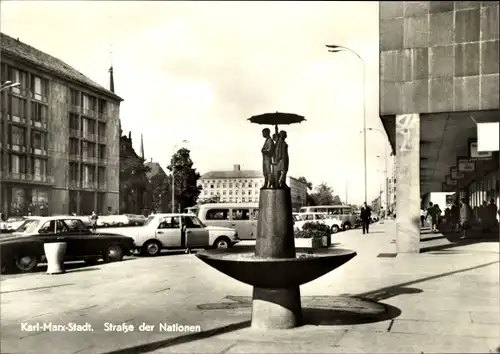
23, 249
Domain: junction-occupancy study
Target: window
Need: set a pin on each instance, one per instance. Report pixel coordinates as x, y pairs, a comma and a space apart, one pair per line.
39, 88
102, 106
211, 186
230, 185
73, 121
17, 135
39, 166
223, 192
249, 192
73, 97
38, 139
101, 129
75, 225
223, 186
218, 214
61, 227
48, 227
230, 192
88, 174
102, 151
241, 214
86, 102
17, 107
18, 76
243, 200
192, 222
73, 172
101, 175
38, 112
218, 185
73, 146
170, 223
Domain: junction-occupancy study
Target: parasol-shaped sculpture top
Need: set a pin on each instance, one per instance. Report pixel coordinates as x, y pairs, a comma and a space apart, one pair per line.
275, 159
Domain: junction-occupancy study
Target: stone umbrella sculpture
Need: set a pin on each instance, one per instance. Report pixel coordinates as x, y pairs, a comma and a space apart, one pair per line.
275, 268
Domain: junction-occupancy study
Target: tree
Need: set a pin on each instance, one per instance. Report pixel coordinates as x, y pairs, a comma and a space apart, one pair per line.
213, 199
161, 193
336, 200
309, 199
185, 179
323, 195
134, 185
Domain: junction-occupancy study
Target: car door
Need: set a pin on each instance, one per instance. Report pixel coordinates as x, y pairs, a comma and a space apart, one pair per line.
196, 234
240, 220
80, 240
168, 232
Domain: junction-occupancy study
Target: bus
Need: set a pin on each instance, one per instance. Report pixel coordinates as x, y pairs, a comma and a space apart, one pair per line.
345, 213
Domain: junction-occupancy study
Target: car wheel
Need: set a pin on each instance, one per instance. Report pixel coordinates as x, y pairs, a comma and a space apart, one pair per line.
105, 224
223, 242
347, 226
120, 224
335, 229
26, 263
151, 249
113, 253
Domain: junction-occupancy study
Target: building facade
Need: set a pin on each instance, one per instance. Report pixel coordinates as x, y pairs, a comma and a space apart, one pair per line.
59, 137
243, 186
439, 79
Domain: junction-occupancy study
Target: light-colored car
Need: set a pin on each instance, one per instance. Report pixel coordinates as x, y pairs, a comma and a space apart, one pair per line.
240, 216
135, 219
335, 224
176, 231
13, 223
113, 220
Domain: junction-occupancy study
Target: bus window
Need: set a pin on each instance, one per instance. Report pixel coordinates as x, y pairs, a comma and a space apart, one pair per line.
303, 210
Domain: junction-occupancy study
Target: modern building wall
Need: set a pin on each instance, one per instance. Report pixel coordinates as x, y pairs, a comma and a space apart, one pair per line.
35, 156
438, 56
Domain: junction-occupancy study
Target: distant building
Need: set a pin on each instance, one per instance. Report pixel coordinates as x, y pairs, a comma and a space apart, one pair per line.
59, 136
155, 170
243, 186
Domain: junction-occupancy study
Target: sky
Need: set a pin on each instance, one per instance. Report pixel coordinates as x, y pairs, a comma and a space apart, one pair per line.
197, 71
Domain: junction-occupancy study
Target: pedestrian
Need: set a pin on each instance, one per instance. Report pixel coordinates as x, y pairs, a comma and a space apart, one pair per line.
366, 214
93, 220
493, 210
422, 216
483, 216
455, 216
438, 215
432, 213
382, 215
465, 218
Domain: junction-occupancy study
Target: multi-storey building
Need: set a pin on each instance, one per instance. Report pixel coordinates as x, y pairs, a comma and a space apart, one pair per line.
59, 136
242, 186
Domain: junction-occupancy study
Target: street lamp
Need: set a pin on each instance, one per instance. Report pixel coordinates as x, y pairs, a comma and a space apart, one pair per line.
173, 173
337, 49
8, 84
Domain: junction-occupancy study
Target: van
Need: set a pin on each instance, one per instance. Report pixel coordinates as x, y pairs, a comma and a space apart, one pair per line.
345, 213
240, 216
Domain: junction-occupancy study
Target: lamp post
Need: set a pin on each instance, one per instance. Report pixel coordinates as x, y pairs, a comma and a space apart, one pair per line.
8, 84
173, 173
337, 49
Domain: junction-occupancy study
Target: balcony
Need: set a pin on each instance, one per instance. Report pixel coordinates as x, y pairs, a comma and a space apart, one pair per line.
16, 119
89, 113
74, 184
89, 159
73, 108
26, 178
38, 124
74, 133
101, 138
89, 184
89, 136
16, 148
74, 157
39, 151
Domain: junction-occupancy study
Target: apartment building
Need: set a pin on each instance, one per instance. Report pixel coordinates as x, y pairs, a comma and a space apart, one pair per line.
243, 186
59, 136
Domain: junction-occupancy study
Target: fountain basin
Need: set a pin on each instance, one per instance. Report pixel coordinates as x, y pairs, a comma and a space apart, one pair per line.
241, 264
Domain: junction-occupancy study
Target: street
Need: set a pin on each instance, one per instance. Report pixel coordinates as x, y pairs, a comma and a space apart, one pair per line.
444, 301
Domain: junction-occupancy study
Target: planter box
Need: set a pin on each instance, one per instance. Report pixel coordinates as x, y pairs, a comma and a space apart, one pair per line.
310, 242
55, 252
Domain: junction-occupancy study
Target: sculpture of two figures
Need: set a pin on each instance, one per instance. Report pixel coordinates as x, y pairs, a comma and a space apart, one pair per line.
275, 159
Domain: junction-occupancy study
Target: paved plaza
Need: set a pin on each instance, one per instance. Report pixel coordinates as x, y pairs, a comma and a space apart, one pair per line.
445, 301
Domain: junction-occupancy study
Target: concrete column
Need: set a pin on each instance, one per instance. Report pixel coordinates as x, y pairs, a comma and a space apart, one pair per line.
408, 183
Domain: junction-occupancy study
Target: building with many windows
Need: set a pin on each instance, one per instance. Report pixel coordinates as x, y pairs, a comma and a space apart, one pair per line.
243, 186
59, 136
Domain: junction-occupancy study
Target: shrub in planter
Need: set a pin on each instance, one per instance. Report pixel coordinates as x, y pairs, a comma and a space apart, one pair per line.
316, 227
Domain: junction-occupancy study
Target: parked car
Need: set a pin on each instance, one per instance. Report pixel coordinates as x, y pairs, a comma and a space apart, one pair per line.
175, 231
301, 218
136, 220
242, 217
23, 249
12, 223
113, 220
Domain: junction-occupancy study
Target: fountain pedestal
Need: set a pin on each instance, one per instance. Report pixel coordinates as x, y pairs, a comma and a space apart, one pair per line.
275, 308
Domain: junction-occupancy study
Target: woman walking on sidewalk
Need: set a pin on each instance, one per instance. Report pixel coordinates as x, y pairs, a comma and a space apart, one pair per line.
465, 217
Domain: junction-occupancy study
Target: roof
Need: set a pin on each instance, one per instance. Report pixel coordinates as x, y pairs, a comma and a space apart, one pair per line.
229, 205
233, 174
36, 57
155, 169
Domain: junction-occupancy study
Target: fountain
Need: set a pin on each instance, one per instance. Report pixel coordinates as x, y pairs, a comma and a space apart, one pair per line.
274, 267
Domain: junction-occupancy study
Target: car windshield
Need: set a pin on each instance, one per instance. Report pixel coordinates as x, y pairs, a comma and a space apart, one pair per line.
196, 220
148, 220
28, 226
